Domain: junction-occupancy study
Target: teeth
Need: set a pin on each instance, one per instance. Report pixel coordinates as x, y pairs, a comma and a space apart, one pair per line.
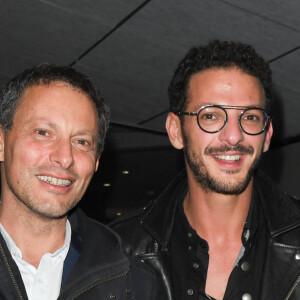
228, 157
55, 181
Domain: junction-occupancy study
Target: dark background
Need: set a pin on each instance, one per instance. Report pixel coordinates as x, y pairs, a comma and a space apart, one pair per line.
130, 49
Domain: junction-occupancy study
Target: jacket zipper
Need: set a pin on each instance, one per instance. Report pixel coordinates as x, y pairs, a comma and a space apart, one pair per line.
11, 273
110, 278
292, 289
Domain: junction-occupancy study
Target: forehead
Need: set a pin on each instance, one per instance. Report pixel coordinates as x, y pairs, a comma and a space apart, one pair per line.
57, 101
225, 86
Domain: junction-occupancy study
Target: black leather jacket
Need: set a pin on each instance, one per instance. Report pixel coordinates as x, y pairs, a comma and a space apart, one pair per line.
102, 270
147, 235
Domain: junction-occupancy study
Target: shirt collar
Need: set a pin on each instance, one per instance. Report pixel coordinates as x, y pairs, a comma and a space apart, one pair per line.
15, 251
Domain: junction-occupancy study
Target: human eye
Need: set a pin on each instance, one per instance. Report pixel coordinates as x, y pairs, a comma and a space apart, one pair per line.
83, 144
211, 115
208, 116
42, 132
252, 117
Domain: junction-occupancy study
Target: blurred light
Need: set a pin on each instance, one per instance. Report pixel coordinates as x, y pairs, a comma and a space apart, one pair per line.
125, 172
106, 184
119, 214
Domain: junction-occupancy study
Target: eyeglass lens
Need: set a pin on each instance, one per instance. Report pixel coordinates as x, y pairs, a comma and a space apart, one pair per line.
213, 119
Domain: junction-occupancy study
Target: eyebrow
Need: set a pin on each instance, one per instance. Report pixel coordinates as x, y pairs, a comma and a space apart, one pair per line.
85, 132
54, 126
44, 121
237, 106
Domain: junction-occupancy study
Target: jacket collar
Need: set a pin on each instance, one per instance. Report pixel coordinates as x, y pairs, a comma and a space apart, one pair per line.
280, 210
100, 252
159, 219
95, 235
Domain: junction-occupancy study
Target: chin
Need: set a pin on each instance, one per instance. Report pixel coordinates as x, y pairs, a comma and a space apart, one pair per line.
233, 186
52, 211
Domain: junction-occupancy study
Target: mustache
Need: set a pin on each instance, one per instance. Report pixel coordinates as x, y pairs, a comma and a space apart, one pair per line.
225, 148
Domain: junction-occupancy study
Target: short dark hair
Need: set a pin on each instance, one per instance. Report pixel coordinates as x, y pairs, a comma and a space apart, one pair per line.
45, 74
217, 54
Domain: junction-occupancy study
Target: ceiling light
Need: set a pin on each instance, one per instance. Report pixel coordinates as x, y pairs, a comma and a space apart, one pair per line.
125, 172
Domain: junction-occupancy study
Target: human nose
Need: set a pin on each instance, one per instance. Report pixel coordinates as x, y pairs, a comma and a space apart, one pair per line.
232, 132
62, 154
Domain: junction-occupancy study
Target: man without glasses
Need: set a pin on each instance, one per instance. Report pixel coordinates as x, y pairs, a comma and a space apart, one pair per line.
221, 229
53, 124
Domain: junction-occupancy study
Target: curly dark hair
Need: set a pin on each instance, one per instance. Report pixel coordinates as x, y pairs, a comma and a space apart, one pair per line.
217, 54
45, 74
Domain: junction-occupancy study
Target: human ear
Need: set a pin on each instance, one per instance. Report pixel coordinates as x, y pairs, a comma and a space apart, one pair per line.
1, 144
173, 126
97, 163
268, 136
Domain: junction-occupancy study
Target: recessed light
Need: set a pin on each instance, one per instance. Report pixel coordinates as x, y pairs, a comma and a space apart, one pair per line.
106, 184
125, 172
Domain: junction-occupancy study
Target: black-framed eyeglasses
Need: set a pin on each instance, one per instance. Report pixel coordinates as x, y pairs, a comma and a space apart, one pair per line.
213, 118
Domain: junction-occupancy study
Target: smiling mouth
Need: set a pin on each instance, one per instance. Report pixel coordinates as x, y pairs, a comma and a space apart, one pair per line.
228, 157
54, 180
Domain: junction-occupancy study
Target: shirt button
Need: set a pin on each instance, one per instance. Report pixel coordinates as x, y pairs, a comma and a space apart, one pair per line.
112, 296
190, 292
246, 296
297, 256
245, 266
190, 234
190, 248
195, 265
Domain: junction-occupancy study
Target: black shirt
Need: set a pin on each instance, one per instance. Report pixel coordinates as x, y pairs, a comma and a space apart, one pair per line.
190, 257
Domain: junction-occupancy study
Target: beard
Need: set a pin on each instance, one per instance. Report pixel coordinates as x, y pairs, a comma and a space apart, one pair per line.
206, 181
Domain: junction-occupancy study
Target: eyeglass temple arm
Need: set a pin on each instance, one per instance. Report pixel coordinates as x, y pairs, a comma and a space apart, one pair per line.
186, 113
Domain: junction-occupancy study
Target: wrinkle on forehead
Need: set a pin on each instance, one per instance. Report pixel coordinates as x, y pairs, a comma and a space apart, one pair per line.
213, 84
223, 87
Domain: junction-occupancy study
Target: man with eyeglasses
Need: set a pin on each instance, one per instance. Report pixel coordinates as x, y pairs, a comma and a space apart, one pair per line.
221, 229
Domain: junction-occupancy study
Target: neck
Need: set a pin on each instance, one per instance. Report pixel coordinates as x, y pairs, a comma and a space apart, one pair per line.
216, 216
34, 235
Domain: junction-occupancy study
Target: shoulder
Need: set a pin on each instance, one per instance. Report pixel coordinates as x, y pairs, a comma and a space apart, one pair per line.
281, 211
270, 188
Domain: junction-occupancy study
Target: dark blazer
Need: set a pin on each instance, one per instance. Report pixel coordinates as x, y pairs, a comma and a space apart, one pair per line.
101, 270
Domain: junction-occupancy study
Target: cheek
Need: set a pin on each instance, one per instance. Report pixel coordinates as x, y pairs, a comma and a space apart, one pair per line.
199, 141
258, 143
85, 164
22, 155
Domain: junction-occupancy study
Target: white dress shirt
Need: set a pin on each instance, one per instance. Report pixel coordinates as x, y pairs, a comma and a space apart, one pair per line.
44, 282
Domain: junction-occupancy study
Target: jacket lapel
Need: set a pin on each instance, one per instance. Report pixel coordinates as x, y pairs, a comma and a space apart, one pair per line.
282, 265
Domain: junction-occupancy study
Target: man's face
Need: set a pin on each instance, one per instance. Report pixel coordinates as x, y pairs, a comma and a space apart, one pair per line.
49, 154
223, 162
